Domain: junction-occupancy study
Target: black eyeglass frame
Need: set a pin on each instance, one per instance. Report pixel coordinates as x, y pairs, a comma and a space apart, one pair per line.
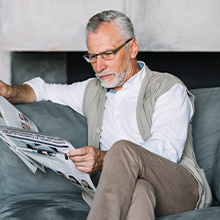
86, 56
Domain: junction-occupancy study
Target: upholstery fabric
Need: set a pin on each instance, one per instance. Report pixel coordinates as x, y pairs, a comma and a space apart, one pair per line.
57, 120
25, 195
52, 119
206, 128
216, 174
211, 213
44, 207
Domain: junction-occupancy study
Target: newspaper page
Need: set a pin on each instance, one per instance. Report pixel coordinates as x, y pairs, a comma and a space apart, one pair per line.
32, 164
50, 151
10, 116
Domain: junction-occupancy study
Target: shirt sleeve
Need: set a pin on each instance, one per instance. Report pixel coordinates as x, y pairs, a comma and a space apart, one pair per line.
71, 95
173, 112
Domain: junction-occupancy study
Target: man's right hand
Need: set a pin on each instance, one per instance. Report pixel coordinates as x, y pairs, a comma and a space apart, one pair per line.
17, 94
87, 159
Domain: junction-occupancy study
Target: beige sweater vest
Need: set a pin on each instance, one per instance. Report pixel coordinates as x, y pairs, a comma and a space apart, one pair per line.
153, 86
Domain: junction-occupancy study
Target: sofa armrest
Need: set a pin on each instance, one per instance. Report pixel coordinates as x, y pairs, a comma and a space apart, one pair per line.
216, 174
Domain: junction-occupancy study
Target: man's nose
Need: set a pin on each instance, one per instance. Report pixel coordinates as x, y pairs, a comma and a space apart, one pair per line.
100, 64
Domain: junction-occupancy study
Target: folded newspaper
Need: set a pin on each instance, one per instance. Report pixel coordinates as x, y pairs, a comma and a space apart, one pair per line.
39, 150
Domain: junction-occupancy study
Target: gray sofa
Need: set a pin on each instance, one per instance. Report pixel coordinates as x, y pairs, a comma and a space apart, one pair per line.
48, 196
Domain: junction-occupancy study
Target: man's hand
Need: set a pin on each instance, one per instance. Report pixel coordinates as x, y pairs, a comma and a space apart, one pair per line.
5, 90
17, 94
87, 159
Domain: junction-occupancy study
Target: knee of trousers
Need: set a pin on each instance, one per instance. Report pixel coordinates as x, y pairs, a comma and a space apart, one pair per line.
119, 150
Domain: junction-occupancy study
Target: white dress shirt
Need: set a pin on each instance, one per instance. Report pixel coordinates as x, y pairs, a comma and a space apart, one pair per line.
173, 111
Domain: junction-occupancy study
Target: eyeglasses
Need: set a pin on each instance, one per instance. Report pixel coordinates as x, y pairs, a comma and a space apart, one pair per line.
106, 55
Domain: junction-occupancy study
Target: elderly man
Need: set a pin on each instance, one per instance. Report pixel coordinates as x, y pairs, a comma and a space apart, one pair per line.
139, 127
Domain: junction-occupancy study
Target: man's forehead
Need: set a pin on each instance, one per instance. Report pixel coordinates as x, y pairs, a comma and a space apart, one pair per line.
100, 43
102, 40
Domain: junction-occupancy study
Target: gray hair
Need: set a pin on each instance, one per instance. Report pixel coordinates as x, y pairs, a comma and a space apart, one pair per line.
120, 19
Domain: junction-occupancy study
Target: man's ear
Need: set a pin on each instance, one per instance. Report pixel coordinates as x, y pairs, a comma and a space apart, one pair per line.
134, 48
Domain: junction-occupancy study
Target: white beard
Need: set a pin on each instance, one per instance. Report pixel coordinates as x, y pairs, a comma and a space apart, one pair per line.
109, 83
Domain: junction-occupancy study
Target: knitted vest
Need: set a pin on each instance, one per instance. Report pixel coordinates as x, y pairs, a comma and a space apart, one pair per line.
153, 86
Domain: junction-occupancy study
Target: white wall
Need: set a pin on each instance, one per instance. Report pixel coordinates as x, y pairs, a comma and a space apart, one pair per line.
5, 70
160, 25
50, 25
172, 25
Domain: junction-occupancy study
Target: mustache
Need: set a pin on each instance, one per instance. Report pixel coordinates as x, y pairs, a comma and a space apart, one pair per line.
98, 75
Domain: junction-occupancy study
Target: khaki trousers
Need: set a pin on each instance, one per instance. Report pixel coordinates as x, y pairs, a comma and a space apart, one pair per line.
138, 184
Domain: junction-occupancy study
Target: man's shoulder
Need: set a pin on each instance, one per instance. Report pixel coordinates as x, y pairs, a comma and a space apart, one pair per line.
159, 82
164, 77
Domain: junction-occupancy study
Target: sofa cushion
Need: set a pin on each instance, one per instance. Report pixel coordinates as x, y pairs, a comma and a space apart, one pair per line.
211, 213
44, 206
65, 206
52, 119
216, 174
59, 120
206, 128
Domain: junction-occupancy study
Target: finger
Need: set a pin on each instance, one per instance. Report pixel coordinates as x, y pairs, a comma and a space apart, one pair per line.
77, 152
84, 162
84, 167
80, 158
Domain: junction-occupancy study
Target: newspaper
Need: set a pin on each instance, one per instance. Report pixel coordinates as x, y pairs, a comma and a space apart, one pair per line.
39, 150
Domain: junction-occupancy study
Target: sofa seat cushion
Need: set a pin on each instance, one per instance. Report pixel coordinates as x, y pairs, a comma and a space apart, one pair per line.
65, 206
211, 213
44, 206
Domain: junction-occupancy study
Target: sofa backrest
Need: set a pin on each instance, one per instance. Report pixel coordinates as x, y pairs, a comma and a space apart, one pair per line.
52, 119
206, 128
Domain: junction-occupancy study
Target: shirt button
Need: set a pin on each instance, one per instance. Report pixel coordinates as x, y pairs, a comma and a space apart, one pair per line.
98, 130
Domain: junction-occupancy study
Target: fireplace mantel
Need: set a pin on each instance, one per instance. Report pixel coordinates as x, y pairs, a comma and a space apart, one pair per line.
160, 25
